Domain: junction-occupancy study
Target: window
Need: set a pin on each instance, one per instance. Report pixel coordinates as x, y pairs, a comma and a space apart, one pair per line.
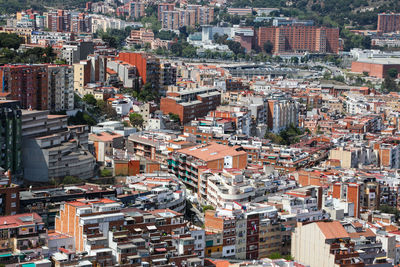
13, 195
13, 204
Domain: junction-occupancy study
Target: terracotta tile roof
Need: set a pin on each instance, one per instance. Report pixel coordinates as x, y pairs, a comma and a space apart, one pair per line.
19, 220
212, 151
332, 230
104, 136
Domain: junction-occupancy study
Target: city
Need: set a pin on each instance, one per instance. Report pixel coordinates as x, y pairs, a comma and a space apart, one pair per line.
199, 133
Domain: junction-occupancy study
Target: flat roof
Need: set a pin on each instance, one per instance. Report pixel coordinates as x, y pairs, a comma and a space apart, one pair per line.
382, 61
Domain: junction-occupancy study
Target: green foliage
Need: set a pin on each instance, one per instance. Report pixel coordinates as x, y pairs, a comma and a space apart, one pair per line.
207, 207
275, 256
392, 73
151, 22
10, 40
105, 173
268, 47
390, 85
106, 109
285, 137
136, 120
115, 38
12, 6
90, 99
30, 56
82, 118
71, 180
390, 210
235, 47
174, 117
165, 35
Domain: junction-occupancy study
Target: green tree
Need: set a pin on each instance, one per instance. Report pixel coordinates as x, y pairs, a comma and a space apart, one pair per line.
136, 120
105, 173
71, 180
106, 109
392, 73
89, 99
174, 117
207, 207
268, 47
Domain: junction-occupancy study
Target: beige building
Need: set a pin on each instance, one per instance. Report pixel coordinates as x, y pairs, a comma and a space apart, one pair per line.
323, 244
82, 71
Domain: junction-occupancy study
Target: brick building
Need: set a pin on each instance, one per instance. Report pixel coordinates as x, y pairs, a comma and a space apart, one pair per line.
187, 163
148, 67
299, 39
388, 22
377, 67
26, 83
190, 103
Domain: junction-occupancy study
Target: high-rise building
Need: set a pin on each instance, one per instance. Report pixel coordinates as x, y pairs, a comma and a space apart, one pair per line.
136, 9
26, 83
203, 14
61, 87
148, 67
388, 22
51, 149
281, 114
10, 140
299, 39
164, 7
170, 20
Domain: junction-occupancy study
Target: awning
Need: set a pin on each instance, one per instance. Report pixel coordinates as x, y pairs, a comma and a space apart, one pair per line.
6, 255
161, 249
151, 227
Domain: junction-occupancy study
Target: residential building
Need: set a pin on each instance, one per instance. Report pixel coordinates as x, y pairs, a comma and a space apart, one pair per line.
190, 104
61, 87
148, 67
388, 22
187, 163
23, 234
26, 83
104, 143
332, 244
299, 39
281, 114
11, 137
51, 149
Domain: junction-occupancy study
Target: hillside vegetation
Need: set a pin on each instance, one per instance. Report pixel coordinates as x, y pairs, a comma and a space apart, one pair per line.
338, 13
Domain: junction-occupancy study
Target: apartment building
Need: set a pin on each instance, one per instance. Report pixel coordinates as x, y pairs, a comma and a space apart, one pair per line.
22, 234
127, 73
281, 114
329, 243
9, 195
388, 22
10, 121
51, 149
27, 83
204, 15
227, 186
104, 144
190, 103
161, 7
61, 88
82, 76
89, 222
148, 67
299, 39
136, 9
187, 163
